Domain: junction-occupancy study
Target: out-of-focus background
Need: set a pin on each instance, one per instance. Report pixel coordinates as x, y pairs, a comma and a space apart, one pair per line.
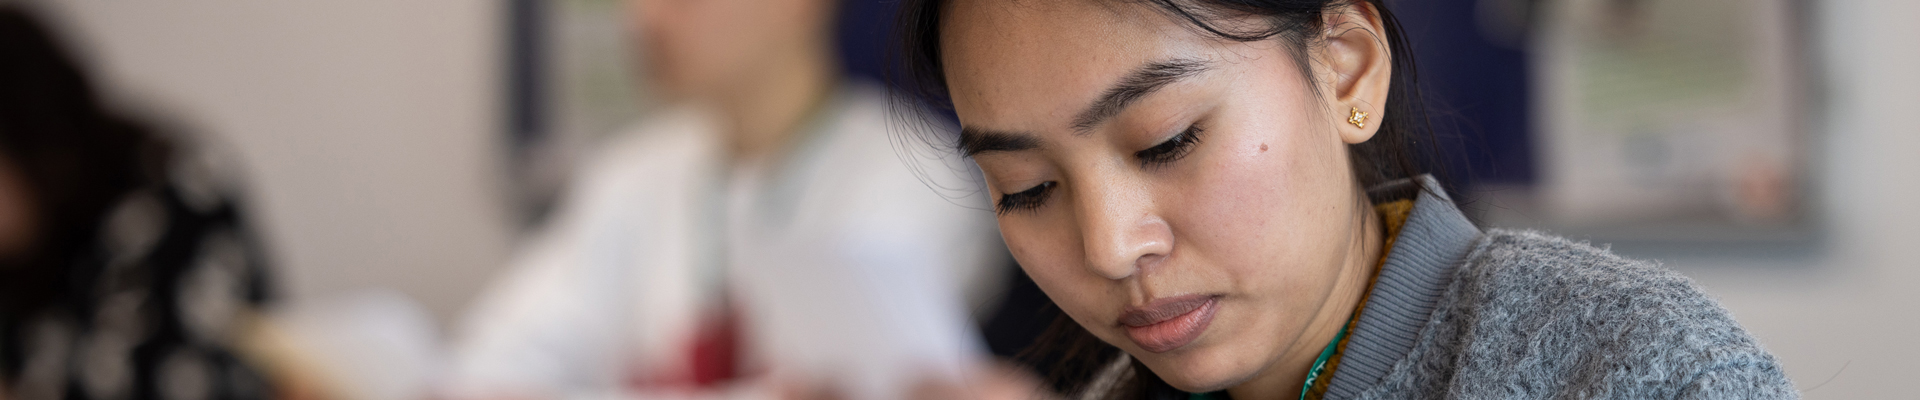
394, 152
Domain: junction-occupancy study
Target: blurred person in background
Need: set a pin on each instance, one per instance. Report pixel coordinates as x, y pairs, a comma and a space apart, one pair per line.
126, 269
761, 238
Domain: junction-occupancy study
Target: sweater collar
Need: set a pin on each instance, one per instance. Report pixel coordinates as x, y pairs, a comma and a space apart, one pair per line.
1418, 269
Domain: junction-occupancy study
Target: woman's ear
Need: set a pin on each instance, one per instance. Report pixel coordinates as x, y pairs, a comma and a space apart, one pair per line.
1356, 69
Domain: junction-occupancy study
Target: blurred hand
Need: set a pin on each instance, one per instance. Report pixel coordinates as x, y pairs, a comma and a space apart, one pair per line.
988, 381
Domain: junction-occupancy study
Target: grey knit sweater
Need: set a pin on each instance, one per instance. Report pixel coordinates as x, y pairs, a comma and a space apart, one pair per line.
1458, 313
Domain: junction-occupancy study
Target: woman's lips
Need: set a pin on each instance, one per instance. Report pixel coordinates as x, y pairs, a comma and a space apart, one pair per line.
1167, 324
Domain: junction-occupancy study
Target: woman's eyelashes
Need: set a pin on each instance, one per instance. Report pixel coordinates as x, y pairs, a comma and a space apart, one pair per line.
1159, 155
1025, 200
1171, 150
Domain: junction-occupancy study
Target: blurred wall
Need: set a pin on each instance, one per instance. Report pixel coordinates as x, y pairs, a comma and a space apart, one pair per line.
367, 128
1845, 321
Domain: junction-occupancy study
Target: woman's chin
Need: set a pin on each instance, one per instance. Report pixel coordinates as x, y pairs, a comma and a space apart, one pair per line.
1201, 369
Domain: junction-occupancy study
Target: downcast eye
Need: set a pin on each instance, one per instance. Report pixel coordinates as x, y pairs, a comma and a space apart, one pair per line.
1025, 200
1172, 149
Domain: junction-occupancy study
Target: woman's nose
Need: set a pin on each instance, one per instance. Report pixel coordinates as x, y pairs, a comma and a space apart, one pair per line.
1122, 234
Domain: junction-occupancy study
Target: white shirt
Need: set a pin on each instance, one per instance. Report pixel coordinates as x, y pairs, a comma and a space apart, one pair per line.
844, 264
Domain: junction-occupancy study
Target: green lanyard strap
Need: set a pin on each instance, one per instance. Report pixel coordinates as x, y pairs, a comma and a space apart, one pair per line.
1320, 364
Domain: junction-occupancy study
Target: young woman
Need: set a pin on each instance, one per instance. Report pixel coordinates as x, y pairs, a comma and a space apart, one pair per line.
1229, 193
756, 239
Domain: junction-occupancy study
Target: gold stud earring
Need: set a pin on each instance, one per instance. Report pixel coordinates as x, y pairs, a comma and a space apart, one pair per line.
1359, 118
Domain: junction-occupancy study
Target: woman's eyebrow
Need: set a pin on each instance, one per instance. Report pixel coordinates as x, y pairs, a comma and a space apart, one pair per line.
975, 141
1143, 80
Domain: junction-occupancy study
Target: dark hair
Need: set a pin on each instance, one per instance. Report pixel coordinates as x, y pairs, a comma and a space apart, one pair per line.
121, 242
75, 157
1404, 147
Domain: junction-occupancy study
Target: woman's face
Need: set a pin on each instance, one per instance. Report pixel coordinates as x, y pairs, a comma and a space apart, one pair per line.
702, 48
1185, 198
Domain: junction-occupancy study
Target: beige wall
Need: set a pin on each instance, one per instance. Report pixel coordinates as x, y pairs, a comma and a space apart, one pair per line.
1850, 317
370, 131
367, 128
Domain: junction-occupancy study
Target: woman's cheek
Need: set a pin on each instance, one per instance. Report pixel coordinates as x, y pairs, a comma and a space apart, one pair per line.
1021, 240
1230, 198
1046, 258
1052, 258
1237, 205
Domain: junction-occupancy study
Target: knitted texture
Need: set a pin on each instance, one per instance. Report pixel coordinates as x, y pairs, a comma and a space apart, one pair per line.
1533, 316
